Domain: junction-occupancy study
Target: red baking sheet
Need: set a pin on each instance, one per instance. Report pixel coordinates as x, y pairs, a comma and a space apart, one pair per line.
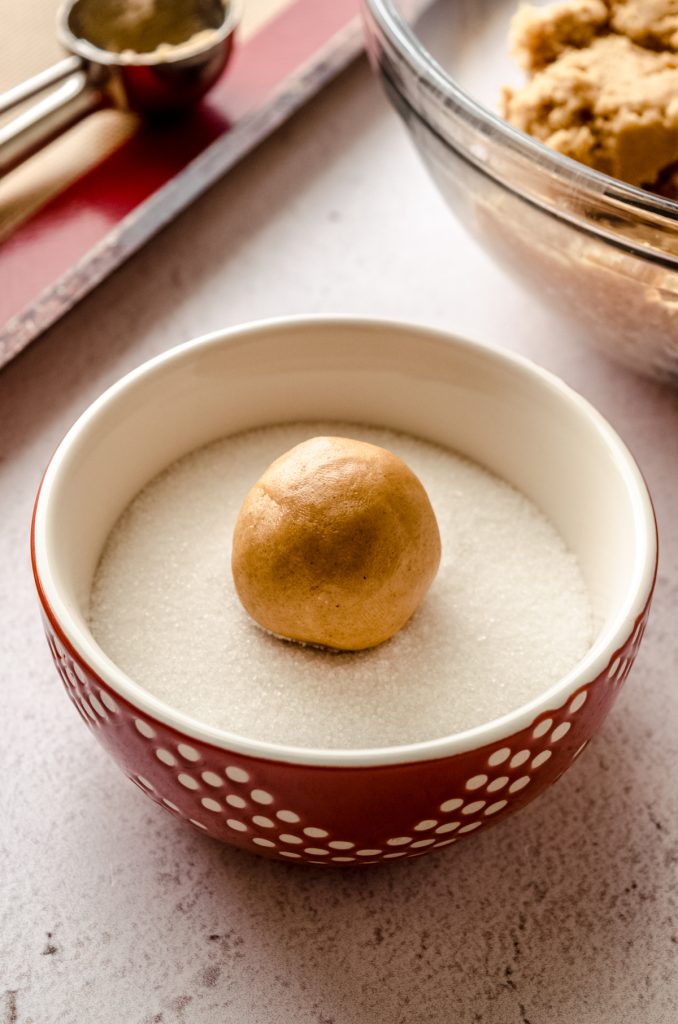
82, 234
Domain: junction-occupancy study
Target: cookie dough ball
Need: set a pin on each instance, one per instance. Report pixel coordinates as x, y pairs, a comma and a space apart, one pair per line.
336, 545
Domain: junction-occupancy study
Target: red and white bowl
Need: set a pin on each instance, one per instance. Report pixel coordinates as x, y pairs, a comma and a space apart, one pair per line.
346, 807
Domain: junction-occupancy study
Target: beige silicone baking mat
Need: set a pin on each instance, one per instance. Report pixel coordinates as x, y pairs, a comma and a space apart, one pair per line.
27, 45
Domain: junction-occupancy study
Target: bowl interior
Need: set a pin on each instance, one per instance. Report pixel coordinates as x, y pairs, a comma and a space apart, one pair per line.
502, 412
469, 40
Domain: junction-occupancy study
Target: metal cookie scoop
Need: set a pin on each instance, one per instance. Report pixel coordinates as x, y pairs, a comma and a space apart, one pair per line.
153, 57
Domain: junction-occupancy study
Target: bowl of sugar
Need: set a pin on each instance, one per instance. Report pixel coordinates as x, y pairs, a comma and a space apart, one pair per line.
544, 542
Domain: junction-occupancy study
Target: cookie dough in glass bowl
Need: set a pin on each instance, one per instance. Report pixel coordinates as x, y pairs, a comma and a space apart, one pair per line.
602, 252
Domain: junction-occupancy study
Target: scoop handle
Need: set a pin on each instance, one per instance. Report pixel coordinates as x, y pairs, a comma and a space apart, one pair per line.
38, 83
27, 133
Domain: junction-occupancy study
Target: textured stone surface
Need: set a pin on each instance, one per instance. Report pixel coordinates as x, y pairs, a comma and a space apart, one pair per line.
110, 910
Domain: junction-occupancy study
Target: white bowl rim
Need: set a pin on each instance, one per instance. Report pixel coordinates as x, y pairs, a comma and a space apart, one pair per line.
595, 662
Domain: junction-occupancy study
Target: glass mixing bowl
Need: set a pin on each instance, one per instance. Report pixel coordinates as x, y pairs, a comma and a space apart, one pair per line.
603, 252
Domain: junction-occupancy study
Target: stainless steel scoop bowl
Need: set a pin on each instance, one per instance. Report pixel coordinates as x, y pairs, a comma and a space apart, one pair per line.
157, 81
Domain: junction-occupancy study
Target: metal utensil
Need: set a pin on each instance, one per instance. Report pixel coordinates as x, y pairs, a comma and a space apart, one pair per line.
158, 82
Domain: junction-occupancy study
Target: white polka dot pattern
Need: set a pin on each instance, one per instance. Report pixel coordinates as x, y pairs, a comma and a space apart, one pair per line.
260, 796
578, 702
165, 756
187, 780
289, 816
471, 826
520, 758
476, 782
451, 805
542, 728
237, 826
469, 812
519, 784
188, 753
210, 804
247, 804
109, 702
212, 779
262, 822
97, 705
495, 807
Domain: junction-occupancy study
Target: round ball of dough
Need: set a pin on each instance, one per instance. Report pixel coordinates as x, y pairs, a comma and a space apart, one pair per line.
336, 545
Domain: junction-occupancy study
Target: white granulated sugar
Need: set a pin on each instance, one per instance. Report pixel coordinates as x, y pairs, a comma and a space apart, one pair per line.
507, 615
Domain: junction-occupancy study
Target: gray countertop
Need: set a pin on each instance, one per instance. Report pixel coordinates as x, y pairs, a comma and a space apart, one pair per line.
110, 910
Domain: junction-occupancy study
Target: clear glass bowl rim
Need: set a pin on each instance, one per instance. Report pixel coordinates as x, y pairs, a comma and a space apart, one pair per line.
598, 187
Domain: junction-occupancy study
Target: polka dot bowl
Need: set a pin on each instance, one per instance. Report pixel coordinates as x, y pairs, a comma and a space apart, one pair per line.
346, 807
